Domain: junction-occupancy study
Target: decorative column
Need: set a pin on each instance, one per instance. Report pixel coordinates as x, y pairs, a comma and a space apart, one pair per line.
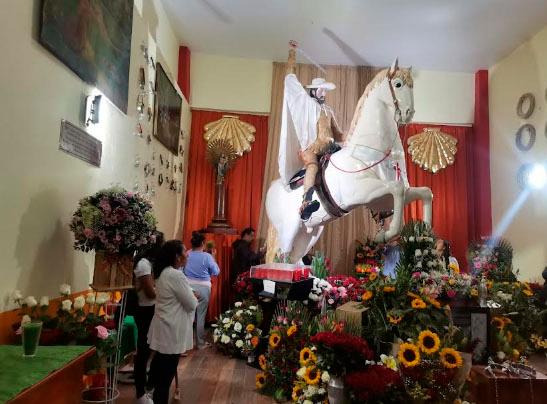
227, 139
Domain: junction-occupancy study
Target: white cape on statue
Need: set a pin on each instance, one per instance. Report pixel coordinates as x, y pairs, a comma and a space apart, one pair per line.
298, 127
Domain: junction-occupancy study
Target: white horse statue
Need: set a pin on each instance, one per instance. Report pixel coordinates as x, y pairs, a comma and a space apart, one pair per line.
369, 170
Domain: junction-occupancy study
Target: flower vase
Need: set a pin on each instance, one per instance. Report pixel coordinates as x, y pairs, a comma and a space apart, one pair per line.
463, 371
336, 390
323, 305
31, 336
113, 271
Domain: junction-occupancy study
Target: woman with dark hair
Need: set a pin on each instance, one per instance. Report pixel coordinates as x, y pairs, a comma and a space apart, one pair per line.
144, 311
199, 269
442, 247
170, 332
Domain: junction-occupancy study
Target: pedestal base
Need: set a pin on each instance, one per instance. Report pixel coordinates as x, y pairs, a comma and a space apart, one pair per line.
220, 228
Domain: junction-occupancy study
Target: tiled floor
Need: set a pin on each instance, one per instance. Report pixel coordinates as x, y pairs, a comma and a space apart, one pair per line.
208, 377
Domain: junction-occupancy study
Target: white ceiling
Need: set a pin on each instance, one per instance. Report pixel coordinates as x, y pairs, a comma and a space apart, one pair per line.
454, 35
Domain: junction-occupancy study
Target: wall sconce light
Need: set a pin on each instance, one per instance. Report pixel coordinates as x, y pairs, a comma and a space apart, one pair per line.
92, 103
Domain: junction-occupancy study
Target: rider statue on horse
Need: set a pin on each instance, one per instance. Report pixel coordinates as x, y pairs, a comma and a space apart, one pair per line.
307, 125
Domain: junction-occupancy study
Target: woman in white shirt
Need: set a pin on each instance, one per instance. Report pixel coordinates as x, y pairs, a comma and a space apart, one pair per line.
170, 332
144, 285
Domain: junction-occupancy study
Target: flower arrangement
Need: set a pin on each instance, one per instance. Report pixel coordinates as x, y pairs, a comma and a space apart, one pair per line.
311, 382
339, 351
289, 334
493, 258
320, 265
429, 370
368, 257
236, 332
113, 220
375, 383
243, 287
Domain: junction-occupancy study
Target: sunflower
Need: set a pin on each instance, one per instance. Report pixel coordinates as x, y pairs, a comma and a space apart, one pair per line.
408, 355
250, 327
434, 302
254, 341
394, 319
418, 304
389, 289
372, 276
450, 358
454, 267
262, 362
296, 391
489, 284
367, 295
292, 329
413, 295
498, 322
307, 357
474, 292
429, 342
312, 375
275, 339
260, 380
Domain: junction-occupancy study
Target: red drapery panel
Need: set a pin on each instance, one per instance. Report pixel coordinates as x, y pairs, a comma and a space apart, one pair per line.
450, 188
183, 79
243, 194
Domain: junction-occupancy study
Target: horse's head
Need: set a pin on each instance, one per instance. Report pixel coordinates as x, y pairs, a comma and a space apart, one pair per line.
397, 90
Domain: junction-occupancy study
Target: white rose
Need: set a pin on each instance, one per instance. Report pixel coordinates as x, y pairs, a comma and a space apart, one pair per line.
90, 298
411, 239
418, 252
325, 377
238, 304
44, 301
501, 355
225, 339
419, 264
249, 312
239, 343
430, 264
252, 307
64, 289
102, 298
79, 303
301, 372
66, 305
234, 336
225, 320
239, 313
30, 301
426, 251
26, 319
17, 296
321, 391
238, 327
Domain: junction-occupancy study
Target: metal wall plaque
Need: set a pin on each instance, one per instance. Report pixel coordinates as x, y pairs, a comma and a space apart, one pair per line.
78, 143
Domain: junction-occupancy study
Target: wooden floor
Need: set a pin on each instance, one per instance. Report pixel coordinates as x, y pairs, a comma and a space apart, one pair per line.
209, 377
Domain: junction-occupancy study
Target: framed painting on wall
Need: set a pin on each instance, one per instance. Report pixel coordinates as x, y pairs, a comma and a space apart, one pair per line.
93, 38
167, 111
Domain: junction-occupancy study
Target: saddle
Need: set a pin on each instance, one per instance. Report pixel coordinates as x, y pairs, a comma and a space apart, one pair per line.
321, 187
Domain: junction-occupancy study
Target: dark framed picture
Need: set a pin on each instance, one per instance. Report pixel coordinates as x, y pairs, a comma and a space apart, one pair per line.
474, 322
92, 38
167, 111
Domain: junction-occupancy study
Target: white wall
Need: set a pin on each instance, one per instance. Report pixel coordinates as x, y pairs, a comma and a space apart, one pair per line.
238, 84
230, 83
40, 185
525, 70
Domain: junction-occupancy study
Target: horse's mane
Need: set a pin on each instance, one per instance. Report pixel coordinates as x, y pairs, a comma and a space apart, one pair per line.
404, 74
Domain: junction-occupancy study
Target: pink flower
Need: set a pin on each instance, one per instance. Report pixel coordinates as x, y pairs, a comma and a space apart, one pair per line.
102, 332
451, 293
88, 232
416, 275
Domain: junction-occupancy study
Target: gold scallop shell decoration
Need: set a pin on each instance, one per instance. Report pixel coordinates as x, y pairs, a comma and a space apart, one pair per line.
432, 149
229, 128
220, 148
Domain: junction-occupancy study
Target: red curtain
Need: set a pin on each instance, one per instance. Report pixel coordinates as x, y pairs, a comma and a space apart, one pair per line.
243, 196
450, 187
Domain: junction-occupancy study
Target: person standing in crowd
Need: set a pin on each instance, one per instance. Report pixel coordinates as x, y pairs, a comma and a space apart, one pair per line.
170, 333
199, 269
243, 255
144, 311
442, 247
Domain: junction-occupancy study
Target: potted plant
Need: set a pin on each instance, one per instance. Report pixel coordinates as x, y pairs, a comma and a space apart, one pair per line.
114, 223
